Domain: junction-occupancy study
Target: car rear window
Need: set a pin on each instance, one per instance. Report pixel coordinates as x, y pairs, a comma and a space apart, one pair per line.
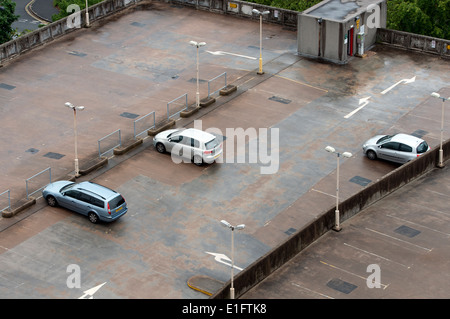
211, 144
116, 201
422, 148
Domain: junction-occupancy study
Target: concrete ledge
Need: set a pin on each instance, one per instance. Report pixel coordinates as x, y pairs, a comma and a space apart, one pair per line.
230, 88
189, 111
161, 126
93, 165
204, 284
128, 146
207, 101
22, 205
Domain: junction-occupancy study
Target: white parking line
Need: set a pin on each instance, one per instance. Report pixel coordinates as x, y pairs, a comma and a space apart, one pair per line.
420, 225
309, 290
378, 256
350, 273
400, 240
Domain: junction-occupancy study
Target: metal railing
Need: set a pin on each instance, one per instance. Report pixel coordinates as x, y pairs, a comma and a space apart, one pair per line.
31, 180
9, 200
114, 139
141, 122
173, 102
224, 75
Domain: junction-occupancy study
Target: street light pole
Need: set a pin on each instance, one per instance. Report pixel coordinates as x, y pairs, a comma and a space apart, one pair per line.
337, 226
75, 108
198, 45
238, 227
87, 14
256, 11
441, 152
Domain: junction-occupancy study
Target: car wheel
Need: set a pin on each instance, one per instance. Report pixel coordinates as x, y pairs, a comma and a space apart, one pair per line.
93, 218
51, 201
198, 160
371, 155
160, 148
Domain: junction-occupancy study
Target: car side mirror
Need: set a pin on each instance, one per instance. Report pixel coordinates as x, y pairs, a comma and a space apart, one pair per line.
169, 139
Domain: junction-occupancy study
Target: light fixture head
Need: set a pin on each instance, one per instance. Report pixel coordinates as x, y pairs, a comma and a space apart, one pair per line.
434, 94
347, 154
330, 149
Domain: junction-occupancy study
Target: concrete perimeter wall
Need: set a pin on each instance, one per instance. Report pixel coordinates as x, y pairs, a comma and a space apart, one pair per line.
275, 258
52, 31
287, 18
414, 42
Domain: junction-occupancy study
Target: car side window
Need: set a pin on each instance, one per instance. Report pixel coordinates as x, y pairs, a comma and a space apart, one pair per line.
390, 146
405, 148
187, 141
73, 193
195, 143
176, 139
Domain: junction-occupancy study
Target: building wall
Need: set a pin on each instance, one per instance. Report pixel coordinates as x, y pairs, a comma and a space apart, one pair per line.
330, 39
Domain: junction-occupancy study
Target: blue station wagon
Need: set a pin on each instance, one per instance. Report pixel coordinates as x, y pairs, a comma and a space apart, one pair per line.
95, 201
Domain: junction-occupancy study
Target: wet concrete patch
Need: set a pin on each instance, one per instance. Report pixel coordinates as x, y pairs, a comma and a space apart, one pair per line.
360, 180
129, 115
407, 231
342, 286
53, 155
7, 86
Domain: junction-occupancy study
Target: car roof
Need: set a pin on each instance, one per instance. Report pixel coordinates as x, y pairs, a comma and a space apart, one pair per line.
406, 139
197, 134
99, 190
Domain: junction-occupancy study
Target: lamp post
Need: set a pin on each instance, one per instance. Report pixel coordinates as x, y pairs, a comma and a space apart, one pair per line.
75, 108
441, 152
87, 14
198, 45
255, 11
337, 226
238, 227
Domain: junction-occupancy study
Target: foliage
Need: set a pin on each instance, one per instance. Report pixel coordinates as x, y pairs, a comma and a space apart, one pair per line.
426, 17
7, 17
63, 4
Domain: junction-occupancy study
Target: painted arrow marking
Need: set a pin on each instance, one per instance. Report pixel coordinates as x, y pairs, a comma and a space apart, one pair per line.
221, 258
404, 81
90, 292
363, 101
228, 53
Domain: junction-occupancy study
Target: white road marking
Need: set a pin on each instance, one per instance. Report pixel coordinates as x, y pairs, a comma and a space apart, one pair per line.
398, 239
363, 101
404, 81
221, 258
228, 53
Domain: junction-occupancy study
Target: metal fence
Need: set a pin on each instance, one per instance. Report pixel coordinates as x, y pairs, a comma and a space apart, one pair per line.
109, 142
38, 181
2, 200
213, 83
175, 103
141, 125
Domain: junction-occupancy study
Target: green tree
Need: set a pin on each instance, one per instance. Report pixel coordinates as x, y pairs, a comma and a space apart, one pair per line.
427, 17
7, 17
63, 4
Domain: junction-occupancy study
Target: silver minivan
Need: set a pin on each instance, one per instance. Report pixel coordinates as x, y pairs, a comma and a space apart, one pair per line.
192, 144
93, 200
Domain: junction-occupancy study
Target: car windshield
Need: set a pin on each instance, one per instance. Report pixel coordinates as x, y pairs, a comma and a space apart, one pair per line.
67, 187
211, 144
422, 148
384, 138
